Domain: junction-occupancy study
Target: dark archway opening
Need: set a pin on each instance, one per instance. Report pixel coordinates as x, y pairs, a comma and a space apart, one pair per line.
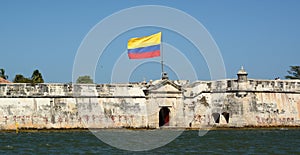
164, 117
226, 116
216, 117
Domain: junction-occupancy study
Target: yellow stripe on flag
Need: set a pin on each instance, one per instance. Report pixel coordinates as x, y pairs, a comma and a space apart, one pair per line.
144, 41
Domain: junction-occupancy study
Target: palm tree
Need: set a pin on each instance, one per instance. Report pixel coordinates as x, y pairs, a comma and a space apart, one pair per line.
2, 74
37, 77
294, 72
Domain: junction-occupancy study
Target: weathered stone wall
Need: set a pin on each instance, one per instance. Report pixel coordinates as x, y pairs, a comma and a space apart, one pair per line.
228, 103
238, 104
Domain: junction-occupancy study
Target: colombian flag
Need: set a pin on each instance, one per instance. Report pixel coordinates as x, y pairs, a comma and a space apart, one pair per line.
144, 47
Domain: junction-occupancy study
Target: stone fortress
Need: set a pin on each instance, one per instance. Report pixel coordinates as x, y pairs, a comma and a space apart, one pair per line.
164, 103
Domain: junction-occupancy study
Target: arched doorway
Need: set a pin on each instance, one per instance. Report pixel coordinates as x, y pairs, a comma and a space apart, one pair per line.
164, 116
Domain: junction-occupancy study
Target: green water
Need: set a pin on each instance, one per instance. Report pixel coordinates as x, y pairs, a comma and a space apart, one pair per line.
214, 142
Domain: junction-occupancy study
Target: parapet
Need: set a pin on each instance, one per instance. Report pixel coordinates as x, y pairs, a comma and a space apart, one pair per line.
137, 89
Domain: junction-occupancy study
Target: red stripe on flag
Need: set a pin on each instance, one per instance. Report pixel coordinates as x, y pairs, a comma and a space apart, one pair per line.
144, 55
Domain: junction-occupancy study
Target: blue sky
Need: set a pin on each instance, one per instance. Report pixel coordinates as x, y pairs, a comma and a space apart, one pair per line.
263, 36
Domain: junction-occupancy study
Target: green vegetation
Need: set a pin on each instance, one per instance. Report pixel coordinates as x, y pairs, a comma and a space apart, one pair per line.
35, 78
2, 74
84, 80
294, 72
21, 79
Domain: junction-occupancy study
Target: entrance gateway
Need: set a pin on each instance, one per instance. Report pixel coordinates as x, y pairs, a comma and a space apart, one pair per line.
164, 116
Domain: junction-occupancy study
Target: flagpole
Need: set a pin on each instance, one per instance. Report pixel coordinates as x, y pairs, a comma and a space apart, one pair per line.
162, 59
164, 75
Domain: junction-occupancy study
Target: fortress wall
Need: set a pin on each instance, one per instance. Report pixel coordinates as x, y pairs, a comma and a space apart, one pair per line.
112, 112
227, 103
72, 113
252, 103
38, 113
253, 109
111, 107
276, 109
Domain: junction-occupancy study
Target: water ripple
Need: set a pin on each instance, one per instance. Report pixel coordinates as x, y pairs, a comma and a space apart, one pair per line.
214, 142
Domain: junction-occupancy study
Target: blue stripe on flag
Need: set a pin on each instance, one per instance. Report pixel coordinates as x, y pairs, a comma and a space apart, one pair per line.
145, 49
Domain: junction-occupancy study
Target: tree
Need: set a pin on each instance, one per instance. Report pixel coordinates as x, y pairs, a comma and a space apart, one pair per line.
2, 74
37, 77
294, 72
21, 79
84, 79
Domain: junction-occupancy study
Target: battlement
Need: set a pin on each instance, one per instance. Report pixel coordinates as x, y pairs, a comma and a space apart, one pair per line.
136, 89
251, 85
63, 90
257, 85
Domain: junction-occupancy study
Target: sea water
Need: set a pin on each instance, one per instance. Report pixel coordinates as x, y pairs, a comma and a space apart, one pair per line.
258, 141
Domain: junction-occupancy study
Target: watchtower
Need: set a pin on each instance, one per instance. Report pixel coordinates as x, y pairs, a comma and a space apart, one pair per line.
242, 75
